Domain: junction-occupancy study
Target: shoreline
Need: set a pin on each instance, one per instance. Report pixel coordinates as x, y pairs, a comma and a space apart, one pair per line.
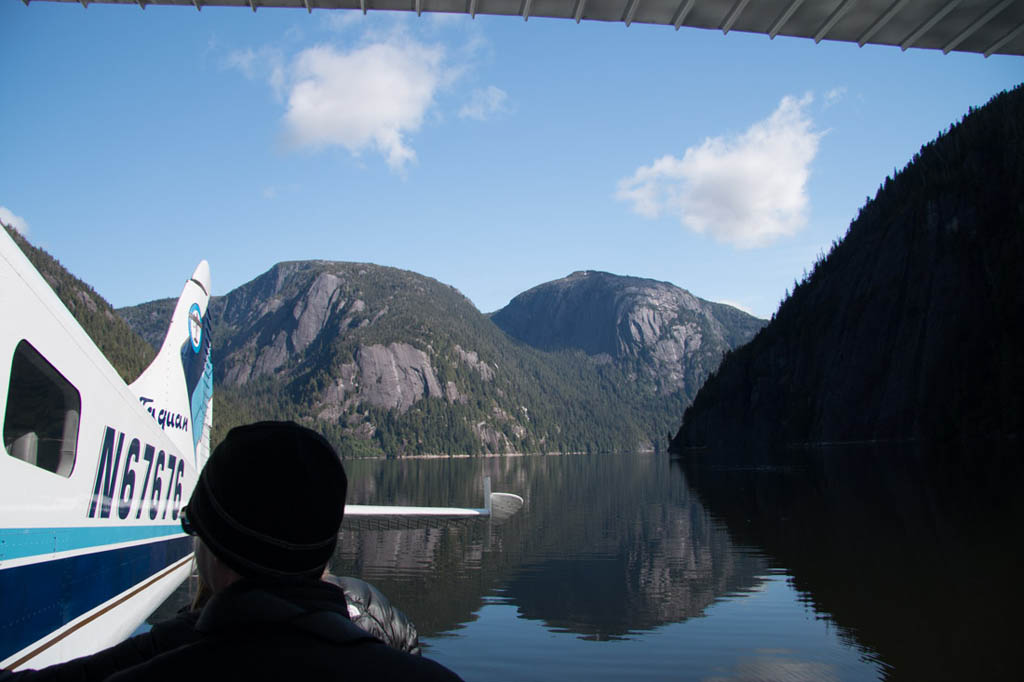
491, 455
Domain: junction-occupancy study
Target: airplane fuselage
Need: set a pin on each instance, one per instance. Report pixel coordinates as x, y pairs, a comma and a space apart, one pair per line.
92, 477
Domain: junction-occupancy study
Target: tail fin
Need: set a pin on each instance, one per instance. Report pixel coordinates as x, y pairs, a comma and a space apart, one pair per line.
177, 387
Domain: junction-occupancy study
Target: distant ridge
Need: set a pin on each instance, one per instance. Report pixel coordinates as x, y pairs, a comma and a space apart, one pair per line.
662, 334
911, 327
388, 362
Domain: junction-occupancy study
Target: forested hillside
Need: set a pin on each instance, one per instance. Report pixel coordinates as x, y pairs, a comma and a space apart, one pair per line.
125, 349
662, 336
389, 362
911, 327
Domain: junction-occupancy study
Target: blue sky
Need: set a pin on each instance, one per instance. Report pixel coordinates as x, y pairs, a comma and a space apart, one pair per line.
491, 154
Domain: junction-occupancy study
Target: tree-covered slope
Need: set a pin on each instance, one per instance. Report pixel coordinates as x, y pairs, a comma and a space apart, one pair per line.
911, 327
386, 361
662, 336
125, 349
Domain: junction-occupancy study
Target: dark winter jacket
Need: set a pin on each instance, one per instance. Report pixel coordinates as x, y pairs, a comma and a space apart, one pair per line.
163, 637
370, 609
255, 631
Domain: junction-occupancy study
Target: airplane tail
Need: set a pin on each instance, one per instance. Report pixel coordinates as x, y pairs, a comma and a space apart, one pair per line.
177, 387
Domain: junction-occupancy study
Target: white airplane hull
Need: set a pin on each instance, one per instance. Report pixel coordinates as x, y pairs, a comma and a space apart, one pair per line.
117, 618
93, 472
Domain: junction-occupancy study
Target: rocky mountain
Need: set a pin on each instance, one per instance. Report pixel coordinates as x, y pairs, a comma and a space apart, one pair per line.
386, 361
911, 327
665, 336
390, 362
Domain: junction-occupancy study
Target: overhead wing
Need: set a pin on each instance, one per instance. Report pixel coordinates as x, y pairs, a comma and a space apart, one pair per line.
982, 26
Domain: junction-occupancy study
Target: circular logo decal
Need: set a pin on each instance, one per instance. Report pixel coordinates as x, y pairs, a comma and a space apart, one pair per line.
195, 327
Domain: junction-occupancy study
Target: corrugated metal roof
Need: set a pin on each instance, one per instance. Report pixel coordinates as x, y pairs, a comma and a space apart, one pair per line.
981, 26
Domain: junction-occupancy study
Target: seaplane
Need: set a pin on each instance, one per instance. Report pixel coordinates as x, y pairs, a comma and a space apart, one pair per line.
95, 472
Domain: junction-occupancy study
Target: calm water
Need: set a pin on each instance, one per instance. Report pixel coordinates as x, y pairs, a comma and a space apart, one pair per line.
837, 565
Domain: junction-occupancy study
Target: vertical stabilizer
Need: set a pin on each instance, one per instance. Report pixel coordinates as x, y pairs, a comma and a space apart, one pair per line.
177, 387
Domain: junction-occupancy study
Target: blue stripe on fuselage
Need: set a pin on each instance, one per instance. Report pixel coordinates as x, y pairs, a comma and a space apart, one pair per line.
39, 598
16, 543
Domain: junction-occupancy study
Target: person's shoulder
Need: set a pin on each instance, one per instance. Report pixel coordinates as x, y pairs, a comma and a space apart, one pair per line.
174, 632
188, 661
255, 655
377, 661
438, 671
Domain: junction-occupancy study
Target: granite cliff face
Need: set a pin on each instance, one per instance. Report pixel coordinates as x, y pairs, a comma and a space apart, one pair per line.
386, 361
665, 335
342, 339
910, 329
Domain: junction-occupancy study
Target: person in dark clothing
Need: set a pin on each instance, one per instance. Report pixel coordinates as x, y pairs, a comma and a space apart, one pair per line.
297, 631
370, 609
266, 513
163, 637
367, 607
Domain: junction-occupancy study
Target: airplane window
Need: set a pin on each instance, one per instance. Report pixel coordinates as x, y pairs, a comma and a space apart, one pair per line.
41, 421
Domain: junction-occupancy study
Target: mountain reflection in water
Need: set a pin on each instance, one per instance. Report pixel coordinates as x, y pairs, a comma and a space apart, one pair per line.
914, 555
833, 564
615, 550
605, 546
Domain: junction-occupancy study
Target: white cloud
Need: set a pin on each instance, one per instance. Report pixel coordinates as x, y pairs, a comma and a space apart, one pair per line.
834, 95
369, 98
243, 60
266, 63
211, 46
483, 103
8, 217
747, 190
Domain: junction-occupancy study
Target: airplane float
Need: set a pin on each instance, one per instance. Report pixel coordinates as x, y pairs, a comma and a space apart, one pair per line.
94, 472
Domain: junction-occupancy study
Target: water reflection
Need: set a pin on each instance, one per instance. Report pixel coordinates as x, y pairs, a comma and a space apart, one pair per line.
842, 564
915, 558
607, 546
618, 569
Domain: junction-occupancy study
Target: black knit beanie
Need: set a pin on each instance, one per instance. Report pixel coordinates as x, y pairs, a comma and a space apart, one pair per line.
270, 500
